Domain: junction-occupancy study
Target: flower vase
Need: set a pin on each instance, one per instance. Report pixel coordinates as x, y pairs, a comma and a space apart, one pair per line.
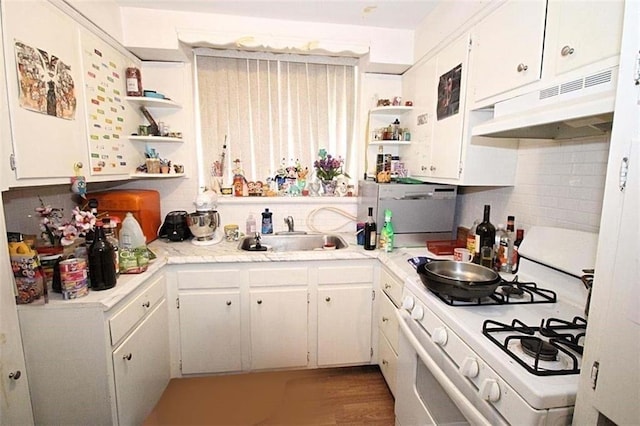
329, 187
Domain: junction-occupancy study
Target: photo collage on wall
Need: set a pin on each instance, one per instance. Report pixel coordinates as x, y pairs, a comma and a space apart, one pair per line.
106, 107
449, 93
45, 82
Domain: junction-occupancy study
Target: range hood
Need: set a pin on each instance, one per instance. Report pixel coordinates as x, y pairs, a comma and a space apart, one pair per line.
577, 108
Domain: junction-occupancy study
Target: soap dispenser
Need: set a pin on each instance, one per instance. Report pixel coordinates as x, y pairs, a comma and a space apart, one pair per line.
267, 222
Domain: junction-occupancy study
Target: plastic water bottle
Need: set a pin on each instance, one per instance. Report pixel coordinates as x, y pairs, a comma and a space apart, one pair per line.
131, 235
251, 225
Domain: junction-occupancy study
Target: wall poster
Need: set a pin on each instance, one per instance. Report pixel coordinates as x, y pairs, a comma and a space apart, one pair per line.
449, 93
106, 107
45, 82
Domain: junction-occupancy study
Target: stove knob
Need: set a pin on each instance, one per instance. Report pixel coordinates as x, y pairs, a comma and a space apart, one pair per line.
469, 367
490, 390
439, 336
417, 313
408, 303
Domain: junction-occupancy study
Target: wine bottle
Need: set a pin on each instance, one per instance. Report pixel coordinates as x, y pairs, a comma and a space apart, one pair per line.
110, 235
102, 267
515, 257
370, 231
506, 246
485, 240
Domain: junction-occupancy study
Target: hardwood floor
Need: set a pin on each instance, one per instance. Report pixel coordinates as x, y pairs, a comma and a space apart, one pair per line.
333, 396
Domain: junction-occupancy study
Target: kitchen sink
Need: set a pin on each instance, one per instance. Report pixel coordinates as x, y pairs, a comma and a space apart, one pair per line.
293, 242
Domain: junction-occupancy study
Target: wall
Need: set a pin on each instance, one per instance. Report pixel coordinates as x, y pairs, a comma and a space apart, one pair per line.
558, 183
154, 34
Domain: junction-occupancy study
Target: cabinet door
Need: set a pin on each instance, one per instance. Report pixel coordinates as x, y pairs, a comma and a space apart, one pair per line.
507, 48
388, 360
210, 335
583, 32
344, 325
15, 404
420, 84
451, 76
279, 323
46, 98
613, 335
141, 367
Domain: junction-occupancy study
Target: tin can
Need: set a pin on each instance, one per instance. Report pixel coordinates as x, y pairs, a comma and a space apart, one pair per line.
72, 265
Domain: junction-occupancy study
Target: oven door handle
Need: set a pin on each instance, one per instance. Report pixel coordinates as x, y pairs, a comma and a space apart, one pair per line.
470, 412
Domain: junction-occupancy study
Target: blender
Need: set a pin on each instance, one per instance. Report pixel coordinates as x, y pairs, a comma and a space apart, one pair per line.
204, 222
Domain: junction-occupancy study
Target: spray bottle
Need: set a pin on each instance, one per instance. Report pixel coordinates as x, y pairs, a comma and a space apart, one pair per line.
386, 235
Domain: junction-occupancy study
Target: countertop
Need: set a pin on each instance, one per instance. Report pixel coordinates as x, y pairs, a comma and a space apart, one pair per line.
182, 253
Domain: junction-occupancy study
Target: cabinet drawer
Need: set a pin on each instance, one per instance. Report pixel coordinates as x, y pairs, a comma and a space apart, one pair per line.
345, 275
388, 322
388, 362
278, 276
392, 286
209, 278
134, 311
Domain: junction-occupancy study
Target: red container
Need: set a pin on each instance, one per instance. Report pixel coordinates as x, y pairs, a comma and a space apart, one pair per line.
143, 203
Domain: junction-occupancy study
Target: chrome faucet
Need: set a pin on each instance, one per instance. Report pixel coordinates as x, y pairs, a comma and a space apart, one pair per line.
289, 222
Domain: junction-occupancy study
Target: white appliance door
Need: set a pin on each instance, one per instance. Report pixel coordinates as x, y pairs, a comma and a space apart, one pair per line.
426, 391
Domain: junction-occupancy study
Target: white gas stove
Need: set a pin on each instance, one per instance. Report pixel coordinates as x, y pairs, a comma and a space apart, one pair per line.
482, 361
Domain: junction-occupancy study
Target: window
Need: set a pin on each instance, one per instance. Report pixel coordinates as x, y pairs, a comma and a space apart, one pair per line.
272, 110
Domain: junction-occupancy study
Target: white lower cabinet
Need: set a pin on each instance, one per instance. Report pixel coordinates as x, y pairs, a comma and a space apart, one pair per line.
345, 299
257, 316
209, 312
88, 365
140, 367
388, 361
388, 302
279, 326
210, 334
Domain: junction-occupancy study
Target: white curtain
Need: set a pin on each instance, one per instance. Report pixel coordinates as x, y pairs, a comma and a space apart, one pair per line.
273, 111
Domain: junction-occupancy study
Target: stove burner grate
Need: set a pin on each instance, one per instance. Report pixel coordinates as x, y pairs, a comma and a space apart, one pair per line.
564, 337
511, 292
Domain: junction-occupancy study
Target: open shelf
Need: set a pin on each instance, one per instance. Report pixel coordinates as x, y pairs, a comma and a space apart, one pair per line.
156, 175
153, 102
391, 110
389, 142
155, 139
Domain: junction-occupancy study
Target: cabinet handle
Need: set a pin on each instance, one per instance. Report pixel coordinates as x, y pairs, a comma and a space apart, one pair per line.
432, 168
385, 362
228, 302
385, 319
127, 357
328, 299
567, 50
146, 304
259, 301
387, 286
522, 67
16, 375
78, 165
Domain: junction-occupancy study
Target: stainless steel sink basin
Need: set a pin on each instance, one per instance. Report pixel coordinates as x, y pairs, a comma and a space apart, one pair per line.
294, 242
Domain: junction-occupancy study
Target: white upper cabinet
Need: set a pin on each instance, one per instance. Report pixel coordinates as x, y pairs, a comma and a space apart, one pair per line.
507, 48
452, 71
65, 98
44, 84
582, 33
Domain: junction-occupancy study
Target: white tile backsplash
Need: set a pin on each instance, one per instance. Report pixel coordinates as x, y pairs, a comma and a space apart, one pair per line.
558, 183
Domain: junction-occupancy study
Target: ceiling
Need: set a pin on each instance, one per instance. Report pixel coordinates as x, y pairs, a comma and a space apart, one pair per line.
400, 14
